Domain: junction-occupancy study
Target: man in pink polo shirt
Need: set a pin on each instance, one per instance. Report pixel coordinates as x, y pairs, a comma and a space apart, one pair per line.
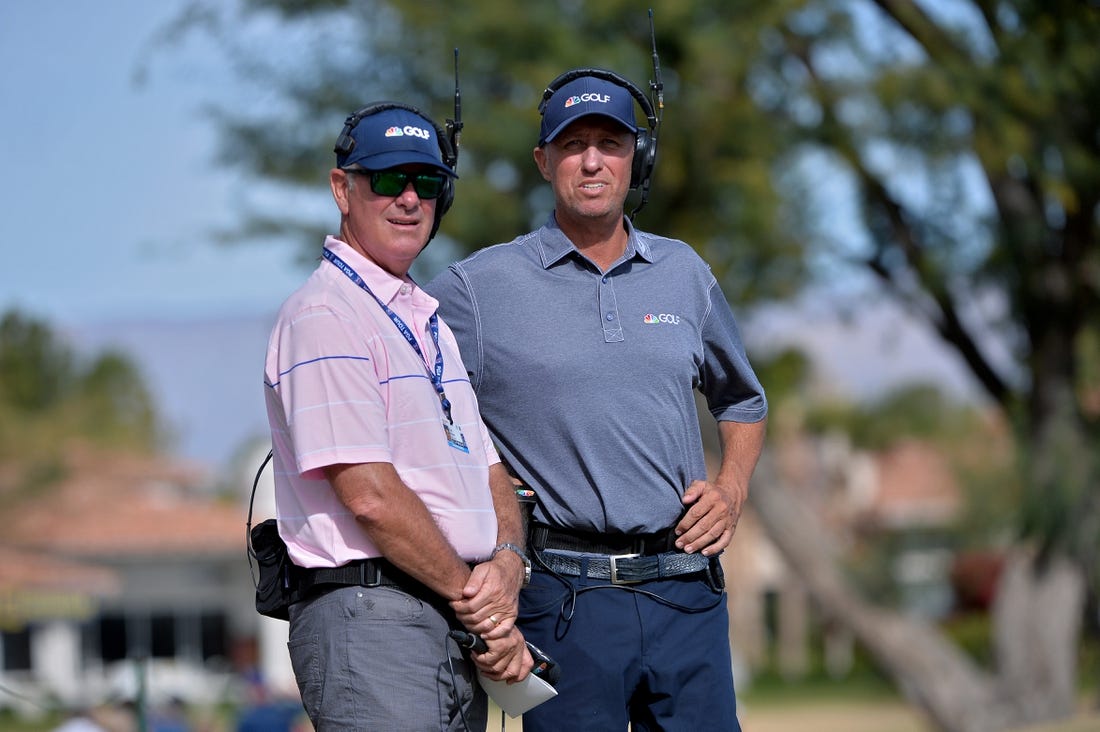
389, 492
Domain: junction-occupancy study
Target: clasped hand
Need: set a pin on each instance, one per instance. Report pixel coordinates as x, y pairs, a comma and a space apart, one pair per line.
489, 607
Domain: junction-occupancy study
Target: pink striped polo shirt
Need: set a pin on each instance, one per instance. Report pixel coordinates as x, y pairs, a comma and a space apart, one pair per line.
343, 385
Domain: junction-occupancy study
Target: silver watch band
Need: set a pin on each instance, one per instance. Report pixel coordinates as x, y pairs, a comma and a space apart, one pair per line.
508, 546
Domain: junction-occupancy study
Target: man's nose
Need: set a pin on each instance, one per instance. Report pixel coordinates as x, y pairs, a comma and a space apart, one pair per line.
592, 158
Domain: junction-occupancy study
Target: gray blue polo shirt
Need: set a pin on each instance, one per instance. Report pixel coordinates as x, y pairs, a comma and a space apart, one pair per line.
586, 379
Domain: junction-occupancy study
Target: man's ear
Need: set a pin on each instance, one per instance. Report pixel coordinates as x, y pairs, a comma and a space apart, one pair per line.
339, 181
542, 163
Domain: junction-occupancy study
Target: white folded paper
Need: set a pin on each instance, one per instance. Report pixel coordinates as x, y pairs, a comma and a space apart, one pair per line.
515, 699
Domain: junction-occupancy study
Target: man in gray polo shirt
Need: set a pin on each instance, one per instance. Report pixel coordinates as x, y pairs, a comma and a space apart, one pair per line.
585, 341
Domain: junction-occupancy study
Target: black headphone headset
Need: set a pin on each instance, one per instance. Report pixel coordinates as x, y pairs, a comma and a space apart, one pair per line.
345, 143
645, 144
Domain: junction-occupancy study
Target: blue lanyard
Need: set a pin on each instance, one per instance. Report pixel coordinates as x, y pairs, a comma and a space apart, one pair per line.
433, 325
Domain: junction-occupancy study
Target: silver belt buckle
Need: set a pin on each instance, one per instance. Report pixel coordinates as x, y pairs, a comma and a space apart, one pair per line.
613, 559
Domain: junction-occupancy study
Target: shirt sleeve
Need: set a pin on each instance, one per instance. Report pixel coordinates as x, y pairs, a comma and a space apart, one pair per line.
458, 310
329, 390
731, 387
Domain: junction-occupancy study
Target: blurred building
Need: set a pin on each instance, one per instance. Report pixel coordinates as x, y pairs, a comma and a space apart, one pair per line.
127, 577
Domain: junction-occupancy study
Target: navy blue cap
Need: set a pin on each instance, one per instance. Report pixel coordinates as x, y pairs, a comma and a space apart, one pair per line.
394, 137
583, 96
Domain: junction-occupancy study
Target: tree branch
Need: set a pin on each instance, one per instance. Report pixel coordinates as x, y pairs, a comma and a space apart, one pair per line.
946, 319
939, 46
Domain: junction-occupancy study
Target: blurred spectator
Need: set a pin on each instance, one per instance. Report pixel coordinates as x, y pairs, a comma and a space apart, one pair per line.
78, 721
273, 715
171, 718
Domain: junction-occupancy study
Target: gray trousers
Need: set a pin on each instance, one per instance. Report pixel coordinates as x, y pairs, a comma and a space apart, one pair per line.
377, 658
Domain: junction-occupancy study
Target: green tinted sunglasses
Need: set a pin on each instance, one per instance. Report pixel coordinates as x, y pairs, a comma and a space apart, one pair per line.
394, 182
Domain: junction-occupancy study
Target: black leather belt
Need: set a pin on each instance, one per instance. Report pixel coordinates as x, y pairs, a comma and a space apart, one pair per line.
360, 573
543, 536
625, 569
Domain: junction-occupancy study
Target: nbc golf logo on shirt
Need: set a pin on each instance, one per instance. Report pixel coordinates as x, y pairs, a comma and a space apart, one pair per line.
651, 319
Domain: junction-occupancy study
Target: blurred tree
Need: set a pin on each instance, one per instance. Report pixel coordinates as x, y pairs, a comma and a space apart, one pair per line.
968, 133
914, 411
35, 369
49, 397
948, 151
116, 405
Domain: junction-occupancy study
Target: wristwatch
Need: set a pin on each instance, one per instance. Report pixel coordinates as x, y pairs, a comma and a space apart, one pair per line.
513, 548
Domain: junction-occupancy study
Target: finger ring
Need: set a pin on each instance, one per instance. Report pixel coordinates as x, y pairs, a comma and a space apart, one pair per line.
493, 619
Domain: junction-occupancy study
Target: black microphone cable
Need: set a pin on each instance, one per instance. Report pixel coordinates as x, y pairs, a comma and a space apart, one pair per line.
464, 640
471, 642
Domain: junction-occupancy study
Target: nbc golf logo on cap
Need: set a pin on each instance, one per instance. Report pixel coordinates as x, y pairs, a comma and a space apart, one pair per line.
420, 132
590, 97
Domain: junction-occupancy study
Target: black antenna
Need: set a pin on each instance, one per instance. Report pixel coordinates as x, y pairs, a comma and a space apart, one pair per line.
454, 126
655, 84
656, 88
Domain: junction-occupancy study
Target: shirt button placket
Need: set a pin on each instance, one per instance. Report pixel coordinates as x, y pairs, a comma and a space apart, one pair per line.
612, 327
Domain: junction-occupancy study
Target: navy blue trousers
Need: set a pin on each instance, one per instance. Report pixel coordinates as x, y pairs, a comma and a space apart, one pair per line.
654, 655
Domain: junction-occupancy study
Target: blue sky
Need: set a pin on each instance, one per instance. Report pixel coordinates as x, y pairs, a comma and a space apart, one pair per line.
109, 188
110, 194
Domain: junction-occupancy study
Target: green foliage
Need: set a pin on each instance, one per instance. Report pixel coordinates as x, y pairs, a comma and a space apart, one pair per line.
785, 375
714, 188
48, 397
973, 633
993, 488
35, 369
864, 683
770, 684
117, 407
918, 411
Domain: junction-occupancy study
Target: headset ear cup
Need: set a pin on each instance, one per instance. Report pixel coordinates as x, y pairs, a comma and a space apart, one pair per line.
645, 156
345, 143
446, 198
443, 205
637, 164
